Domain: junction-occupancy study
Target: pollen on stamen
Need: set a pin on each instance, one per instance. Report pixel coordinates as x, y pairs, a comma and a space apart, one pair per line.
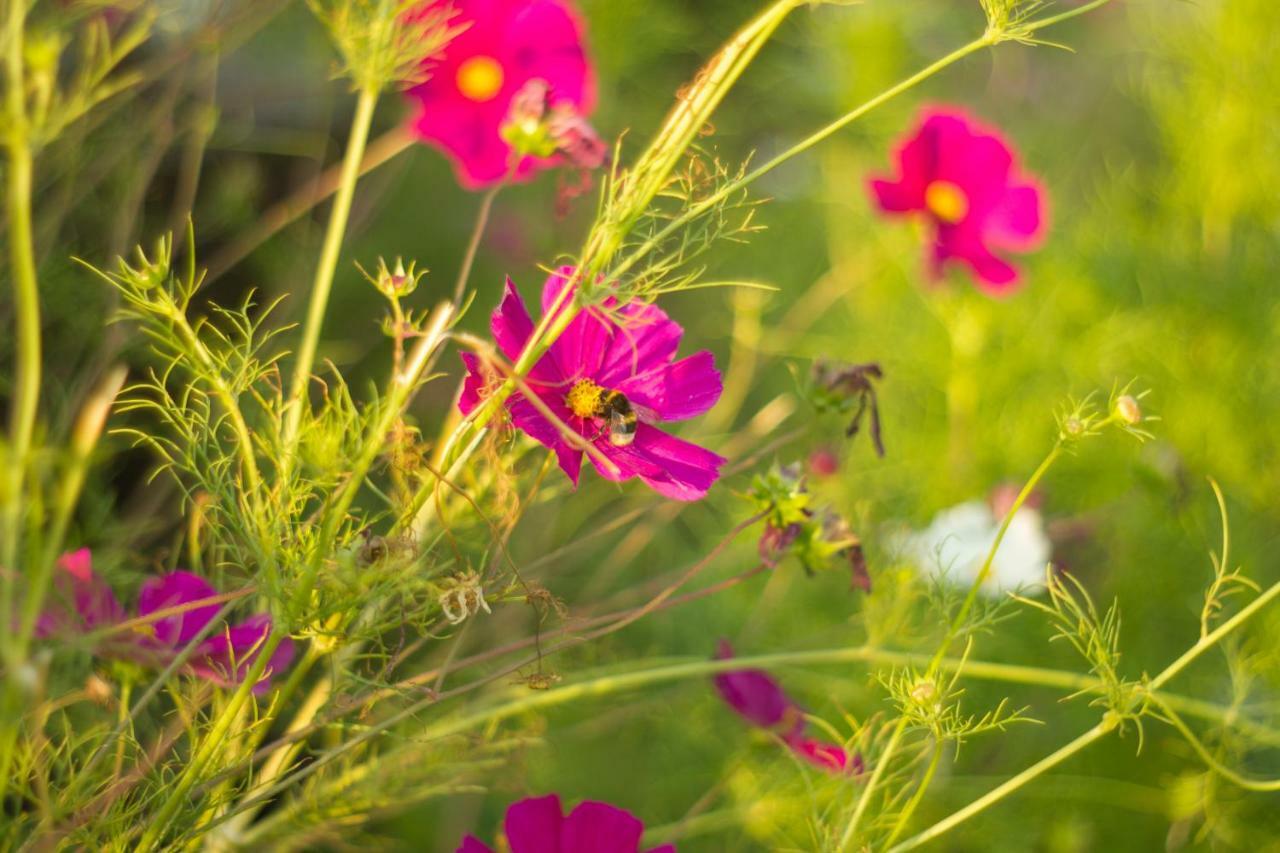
946, 201
480, 78
583, 398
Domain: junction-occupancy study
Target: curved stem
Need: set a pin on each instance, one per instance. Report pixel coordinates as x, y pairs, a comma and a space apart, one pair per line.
1012, 784
985, 572
473, 243
1262, 785
26, 302
323, 282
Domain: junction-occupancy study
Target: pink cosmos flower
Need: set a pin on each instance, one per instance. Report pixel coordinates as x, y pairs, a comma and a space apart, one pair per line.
463, 105
963, 179
758, 698
84, 603
537, 825
592, 358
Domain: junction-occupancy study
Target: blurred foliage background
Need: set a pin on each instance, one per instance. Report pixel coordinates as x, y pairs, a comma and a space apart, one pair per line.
1158, 136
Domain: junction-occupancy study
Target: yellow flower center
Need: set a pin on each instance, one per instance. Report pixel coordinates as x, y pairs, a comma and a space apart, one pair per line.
946, 201
480, 78
583, 398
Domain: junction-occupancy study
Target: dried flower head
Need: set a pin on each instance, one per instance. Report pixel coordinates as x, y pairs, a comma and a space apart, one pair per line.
462, 598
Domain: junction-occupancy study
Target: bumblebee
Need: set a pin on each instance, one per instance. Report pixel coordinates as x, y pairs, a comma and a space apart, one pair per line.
619, 416
588, 400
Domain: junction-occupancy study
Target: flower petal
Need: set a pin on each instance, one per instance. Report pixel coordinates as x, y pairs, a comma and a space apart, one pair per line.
581, 347
511, 324
595, 827
225, 658
1019, 221
670, 466
173, 590
545, 40
993, 275
81, 600
684, 389
471, 844
472, 384
757, 697
526, 40
897, 196
830, 757
534, 825
531, 421
646, 339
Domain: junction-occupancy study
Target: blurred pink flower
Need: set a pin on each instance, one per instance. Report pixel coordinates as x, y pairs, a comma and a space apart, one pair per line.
962, 177
84, 603
758, 698
538, 825
593, 357
463, 105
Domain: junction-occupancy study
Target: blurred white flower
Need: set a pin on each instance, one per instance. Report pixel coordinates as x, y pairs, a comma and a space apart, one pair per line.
956, 543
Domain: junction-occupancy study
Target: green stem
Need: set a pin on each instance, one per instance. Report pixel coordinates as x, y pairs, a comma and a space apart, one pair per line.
212, 742
1211, 639
935, 663
26, 303
904, 817
1111, 721
985, 572
800, 147
1001, 791
473, 243
323, 282
26, 299
1261, 785
1064, 16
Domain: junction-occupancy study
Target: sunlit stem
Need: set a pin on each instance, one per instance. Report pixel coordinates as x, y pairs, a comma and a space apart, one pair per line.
88, 429
323, 281
957, 623
1109, 723
727, 191
401, 390
904, 817
640, 186
26, 304
212, 742
1012, 784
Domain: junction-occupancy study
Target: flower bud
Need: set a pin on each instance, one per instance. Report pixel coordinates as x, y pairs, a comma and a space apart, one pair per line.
1128, 411
924, 692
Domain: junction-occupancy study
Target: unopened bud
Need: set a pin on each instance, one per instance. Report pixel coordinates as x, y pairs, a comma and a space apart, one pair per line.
1128, 410
924, 692
1073, 426
97, 689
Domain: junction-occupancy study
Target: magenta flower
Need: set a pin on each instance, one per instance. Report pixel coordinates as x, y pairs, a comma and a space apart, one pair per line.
464, 103
963, 179
591, 360
84, 603
758, 698
537, 825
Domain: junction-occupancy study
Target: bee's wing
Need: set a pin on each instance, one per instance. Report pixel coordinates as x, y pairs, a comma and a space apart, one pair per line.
644, 413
